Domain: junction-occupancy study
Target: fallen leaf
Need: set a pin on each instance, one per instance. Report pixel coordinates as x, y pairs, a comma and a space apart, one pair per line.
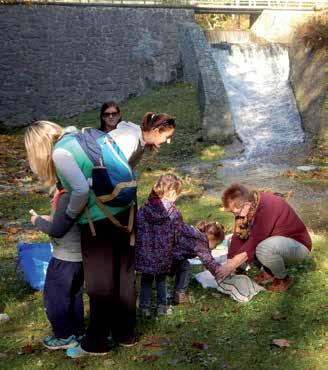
281, 343
253, 330
13, 230
204, 307
191, 299
109, 362
173, 361
216, 295
148, 358
202, 346
26, 350
278, 318
156, 342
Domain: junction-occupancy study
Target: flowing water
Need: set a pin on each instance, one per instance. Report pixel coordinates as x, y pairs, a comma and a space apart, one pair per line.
267, 121
262, 103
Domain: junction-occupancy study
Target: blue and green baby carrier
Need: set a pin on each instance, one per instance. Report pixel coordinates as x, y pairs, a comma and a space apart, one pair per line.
113, 181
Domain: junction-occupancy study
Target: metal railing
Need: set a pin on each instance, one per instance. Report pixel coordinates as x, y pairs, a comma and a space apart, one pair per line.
194, 4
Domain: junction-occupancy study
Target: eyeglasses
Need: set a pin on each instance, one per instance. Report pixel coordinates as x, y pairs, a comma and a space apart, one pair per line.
110, 114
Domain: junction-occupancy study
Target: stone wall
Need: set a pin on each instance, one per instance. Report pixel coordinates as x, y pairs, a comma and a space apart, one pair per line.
308, 76
200, 68
279, 26
58, 61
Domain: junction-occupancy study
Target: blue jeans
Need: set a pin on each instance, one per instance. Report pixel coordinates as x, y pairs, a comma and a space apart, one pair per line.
62, 297
146, 290
182, 275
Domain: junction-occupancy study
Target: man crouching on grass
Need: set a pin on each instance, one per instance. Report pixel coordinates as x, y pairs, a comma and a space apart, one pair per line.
267, 229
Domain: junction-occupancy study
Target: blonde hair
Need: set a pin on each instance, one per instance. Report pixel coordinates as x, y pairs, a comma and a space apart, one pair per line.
165, 184
39, 140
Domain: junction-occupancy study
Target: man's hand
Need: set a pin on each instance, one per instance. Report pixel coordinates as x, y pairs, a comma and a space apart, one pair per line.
230, 266
224, 271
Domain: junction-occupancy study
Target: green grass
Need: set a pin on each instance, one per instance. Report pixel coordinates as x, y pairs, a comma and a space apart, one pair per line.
238, 336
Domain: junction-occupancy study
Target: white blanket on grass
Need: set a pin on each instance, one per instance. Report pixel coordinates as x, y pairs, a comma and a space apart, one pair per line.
240, 287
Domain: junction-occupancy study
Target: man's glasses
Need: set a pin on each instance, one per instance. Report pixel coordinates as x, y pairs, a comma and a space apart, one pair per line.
110, 114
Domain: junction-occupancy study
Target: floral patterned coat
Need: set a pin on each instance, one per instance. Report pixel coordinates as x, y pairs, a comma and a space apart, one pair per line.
163, 238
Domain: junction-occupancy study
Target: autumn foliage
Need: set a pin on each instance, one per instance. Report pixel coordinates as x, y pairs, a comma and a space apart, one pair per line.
314, 33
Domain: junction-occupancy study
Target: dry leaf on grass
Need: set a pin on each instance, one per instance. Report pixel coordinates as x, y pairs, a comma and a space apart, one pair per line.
281, 343
204, 307
156, 342
13, 230
26, 350
191, 299
216, 295
148, 358
201, 346
278, 318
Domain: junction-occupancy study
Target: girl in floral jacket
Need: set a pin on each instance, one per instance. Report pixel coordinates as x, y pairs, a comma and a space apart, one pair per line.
163, 238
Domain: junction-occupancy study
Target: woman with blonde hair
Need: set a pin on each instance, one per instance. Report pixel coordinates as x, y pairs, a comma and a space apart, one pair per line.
108, 258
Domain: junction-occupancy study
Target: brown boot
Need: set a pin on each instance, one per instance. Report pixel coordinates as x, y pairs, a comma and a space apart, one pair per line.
263, 278
181, 298
280, 285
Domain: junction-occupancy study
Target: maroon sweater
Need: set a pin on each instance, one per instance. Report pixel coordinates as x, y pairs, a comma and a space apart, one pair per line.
273, 217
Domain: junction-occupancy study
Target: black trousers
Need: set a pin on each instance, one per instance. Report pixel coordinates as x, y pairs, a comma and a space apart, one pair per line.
108, 261
62, 297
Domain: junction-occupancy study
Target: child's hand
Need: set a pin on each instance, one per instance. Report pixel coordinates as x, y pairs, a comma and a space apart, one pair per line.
33, 219
34, 215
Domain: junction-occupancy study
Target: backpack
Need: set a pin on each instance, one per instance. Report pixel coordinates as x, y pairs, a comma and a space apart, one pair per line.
113, 182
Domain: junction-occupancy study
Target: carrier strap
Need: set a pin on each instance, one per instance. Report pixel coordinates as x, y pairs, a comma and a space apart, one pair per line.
109, 215
122, 185
91, 225
128, 228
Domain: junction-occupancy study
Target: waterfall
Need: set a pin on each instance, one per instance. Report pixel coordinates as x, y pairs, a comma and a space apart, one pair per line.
232, 37
261, 100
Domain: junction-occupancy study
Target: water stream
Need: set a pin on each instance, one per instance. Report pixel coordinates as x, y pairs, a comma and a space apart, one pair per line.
267, 121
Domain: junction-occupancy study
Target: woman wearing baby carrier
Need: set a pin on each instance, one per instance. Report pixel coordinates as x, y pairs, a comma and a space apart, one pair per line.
108, 258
